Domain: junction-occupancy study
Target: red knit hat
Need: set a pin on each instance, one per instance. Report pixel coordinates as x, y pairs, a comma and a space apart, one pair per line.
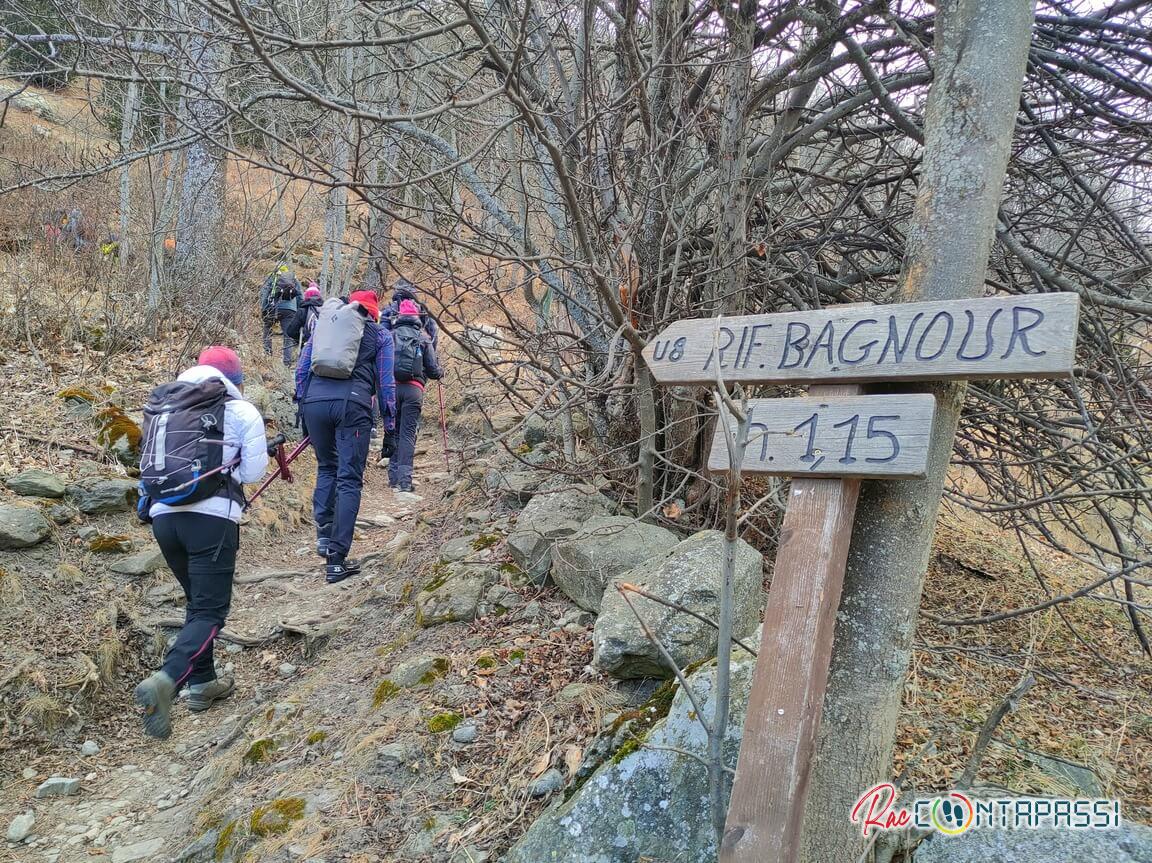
368, 300
224, 360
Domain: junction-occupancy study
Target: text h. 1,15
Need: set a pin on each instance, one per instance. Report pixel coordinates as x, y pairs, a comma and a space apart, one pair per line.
1027, 336
861, 436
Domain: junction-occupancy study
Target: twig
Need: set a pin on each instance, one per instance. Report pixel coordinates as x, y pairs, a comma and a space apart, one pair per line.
1006, 706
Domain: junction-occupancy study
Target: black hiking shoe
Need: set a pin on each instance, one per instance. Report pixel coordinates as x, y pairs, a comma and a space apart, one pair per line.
408, 487
339, 569
322, 547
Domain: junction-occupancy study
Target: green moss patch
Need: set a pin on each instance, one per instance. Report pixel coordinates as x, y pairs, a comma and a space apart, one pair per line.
276, 817
485, 540
316, 737
440, 667
224, 840
386, 691
442, 722
260, 750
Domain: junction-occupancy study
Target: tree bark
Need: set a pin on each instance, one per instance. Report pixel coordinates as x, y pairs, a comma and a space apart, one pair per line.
200, 219
982, 46
127, 131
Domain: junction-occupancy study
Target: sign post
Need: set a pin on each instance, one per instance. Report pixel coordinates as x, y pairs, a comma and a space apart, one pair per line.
828, 442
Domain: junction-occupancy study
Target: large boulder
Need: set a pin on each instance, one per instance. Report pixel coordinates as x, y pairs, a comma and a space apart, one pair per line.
143, 562
36, 483
1131, 843
602, 550
688, 575
650, 801
548, 517
456, 593
22, 526
101, 495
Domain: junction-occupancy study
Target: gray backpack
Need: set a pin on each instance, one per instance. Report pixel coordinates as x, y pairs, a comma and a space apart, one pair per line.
336, 339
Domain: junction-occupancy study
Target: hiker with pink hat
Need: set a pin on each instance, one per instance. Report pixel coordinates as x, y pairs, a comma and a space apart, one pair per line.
415, 363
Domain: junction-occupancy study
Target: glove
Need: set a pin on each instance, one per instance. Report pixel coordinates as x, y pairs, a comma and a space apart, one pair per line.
274, 444
388, 445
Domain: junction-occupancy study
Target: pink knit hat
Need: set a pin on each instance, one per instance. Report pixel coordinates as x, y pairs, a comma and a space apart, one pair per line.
409, 307
313, 291
224, 360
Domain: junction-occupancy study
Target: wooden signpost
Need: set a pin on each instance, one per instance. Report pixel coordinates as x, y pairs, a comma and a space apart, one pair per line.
827, 442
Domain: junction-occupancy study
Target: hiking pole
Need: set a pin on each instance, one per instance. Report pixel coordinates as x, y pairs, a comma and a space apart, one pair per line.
282, 462
443, 426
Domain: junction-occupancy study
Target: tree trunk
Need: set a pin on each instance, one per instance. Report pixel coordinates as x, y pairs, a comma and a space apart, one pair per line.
200, 219
982, 46
127, 131
727, 286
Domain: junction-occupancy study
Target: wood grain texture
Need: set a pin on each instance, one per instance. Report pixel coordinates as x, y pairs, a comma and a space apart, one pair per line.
990, 337
862, 436
766, 811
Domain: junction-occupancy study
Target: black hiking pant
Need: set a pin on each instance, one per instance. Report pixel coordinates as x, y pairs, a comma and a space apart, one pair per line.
201, 552
341, 434
409, 406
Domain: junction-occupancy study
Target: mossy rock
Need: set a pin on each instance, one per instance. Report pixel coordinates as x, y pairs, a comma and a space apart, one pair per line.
385, 691
273, 819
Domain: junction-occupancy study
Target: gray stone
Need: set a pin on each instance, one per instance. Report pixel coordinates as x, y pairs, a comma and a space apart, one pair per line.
21, 827
61, 514
464, 733
36, 483
688, 575
459, 548
454, 595
547, 518
396, 753
97, 496
652, 803
573, 692
58, 786
200, 850
605, 548
1131, 843
478, 516
536, 430
578, 616
29, 773
286, 669
501, 598
419, 670
89, 748
1081, 781
516, 487
145, 850
469, 854
143, 562
550, 782
22, 526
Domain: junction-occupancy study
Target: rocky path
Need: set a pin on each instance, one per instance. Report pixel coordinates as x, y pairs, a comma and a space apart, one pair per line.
139, 799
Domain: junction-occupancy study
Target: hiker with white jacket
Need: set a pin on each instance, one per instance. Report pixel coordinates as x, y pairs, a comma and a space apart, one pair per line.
202, 441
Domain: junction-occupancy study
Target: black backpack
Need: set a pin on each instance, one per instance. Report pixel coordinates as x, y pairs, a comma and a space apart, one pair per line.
408, 353
285, 290
183, 439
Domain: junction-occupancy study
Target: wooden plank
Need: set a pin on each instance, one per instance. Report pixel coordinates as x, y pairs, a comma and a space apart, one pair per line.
766, 810
991, 337
864, 436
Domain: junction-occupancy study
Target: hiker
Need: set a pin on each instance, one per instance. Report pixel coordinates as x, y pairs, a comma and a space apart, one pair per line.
191, 426
301, 326
405, 290
278, 300
415, 363
346, 362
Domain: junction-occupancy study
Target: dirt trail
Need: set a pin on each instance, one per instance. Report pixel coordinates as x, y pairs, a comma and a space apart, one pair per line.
142, 799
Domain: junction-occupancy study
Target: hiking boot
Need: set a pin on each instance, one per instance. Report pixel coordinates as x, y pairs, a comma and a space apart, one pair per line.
339, 569
155, 695
408, 487
322, 547
201, 696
